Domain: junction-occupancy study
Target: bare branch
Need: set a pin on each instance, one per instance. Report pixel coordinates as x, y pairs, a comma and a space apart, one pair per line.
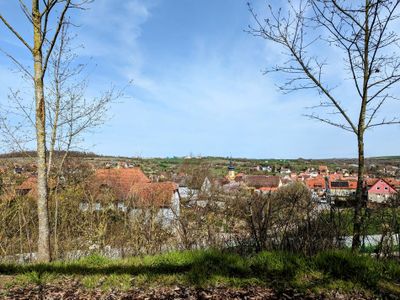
57, 32
327, 121
15, 33
394, 121
18, 64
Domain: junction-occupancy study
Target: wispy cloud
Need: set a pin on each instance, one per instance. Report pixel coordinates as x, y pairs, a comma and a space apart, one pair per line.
198, 87
110, 34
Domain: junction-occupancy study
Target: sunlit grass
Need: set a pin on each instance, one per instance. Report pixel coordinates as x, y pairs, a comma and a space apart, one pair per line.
336, 270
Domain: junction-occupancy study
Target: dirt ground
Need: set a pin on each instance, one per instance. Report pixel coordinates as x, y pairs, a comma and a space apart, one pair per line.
73, 290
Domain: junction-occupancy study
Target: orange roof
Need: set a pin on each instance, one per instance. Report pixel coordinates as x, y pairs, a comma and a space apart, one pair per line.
29, 184
317, 182
133, 184
334, 176
393, 182
352, 184
119, 180
153, 194
259, 181
323, 168
371, 181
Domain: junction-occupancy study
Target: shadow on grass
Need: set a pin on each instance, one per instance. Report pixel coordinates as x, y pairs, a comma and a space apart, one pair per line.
196, 267
202, 267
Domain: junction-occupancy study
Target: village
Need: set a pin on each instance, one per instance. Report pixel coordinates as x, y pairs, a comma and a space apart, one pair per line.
155, 149
123, 186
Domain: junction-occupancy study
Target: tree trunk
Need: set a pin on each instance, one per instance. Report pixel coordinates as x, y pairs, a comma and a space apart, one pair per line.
358, 219
359, 199
42, 193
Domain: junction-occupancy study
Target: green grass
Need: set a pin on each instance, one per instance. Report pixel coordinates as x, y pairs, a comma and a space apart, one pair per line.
337, 270
374, 222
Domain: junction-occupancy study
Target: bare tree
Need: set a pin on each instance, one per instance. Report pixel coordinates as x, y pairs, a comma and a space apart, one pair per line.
40, 16
70, 112
363, 31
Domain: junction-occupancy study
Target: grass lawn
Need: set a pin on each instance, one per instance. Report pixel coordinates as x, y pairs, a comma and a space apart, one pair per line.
338, 270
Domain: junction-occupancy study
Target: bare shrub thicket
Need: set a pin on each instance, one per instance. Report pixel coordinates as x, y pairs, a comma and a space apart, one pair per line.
283, 220
246, 221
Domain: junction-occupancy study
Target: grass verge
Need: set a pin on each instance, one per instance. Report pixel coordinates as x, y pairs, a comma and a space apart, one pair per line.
337, 270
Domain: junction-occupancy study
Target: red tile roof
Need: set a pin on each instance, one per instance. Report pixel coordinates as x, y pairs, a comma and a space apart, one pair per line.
334, 176
258, 181
371, 181
323, 169
29, 186
316, 183
133, 184
393, 182
120, 181
157, 194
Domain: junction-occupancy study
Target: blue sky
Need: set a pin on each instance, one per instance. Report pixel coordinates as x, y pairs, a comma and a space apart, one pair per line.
197, 84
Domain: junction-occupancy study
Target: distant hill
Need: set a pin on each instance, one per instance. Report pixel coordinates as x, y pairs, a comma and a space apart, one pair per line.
84, 154
18, 154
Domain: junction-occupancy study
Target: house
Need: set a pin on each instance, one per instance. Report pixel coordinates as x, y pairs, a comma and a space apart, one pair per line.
285, 171
185, 192
390, 170
27, 187
118, 181
345, 173
323, 170
266, 169
380, 191
317, 186
130, 190
262, 183
335, 176
239, 177
161, 196
263, 168
343, 189
395, 183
